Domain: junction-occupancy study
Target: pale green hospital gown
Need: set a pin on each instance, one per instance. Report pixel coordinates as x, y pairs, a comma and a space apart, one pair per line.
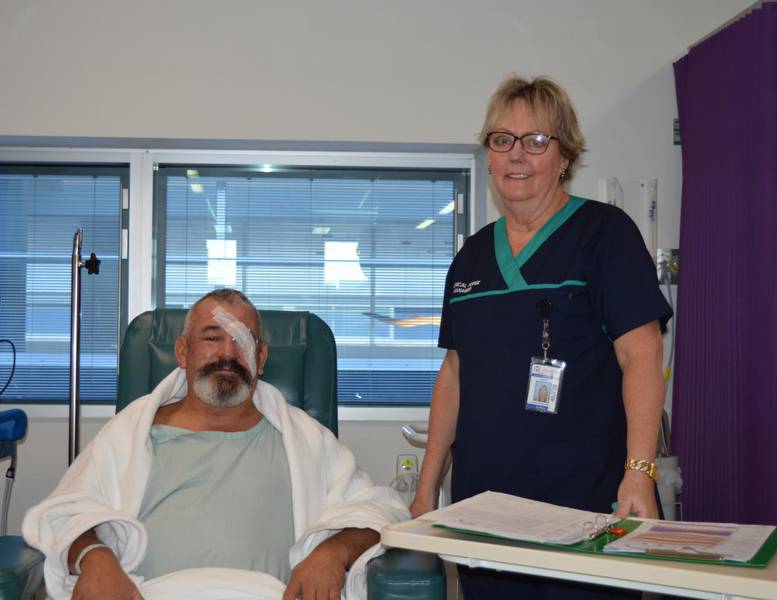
218, 499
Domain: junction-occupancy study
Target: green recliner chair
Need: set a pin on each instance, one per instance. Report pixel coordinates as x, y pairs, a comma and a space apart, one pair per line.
302, 364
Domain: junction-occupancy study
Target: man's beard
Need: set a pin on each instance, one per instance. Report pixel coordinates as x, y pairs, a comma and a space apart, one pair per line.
220, 389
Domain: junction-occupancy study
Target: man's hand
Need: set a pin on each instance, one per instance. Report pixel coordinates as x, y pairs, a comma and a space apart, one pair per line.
102, 578
319, 577
636, 494
322, 574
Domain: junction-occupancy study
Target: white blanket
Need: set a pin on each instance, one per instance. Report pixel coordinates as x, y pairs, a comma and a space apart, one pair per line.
104, 488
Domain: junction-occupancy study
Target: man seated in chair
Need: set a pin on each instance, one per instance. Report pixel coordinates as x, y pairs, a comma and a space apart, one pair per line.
212, 486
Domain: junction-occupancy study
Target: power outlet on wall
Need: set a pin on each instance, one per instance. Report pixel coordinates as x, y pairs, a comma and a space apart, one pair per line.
407, 472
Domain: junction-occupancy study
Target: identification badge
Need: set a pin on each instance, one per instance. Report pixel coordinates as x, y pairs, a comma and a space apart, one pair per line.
545, 376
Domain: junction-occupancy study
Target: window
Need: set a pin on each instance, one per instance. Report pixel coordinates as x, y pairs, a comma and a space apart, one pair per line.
40, 209
365, 249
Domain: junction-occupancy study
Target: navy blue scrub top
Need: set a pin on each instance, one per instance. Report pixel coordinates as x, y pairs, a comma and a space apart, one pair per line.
590, 261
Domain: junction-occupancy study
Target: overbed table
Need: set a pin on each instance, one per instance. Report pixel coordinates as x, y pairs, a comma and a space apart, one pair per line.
686, 579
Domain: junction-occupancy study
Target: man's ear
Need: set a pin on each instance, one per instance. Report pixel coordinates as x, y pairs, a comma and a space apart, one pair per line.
261, 358
181, 351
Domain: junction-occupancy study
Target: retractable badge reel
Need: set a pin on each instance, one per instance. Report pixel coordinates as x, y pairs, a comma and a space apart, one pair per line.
545, 373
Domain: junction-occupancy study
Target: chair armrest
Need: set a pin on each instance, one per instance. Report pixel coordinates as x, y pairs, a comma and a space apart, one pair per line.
13, 425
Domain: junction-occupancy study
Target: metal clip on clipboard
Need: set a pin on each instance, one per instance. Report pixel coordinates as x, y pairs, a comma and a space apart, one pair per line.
599, 526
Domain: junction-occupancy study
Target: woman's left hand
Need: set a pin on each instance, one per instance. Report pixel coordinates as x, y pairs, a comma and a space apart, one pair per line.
640, 356
636, 494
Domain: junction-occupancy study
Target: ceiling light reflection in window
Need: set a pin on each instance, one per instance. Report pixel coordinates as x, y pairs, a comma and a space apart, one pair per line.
341, 263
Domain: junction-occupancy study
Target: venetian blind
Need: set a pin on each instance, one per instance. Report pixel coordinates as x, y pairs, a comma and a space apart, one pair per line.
40, 210
366, 250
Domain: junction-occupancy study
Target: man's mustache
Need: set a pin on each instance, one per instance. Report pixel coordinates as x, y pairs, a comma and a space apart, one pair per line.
223, 364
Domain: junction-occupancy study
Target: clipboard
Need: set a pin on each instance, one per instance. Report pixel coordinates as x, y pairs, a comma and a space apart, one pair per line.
760, 560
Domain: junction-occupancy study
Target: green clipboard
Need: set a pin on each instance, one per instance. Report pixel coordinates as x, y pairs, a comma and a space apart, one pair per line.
596, 546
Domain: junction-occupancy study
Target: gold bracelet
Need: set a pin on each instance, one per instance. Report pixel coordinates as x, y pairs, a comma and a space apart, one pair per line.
648, 468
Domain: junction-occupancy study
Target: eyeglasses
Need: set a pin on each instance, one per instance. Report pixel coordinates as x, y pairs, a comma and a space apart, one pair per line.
533, 143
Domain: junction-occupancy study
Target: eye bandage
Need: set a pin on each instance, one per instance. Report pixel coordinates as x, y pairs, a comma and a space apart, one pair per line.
240, 333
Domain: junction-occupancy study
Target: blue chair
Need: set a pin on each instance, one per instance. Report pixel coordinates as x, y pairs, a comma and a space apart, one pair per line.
21, 567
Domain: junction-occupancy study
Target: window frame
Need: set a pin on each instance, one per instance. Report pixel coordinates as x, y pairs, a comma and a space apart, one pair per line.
143, 155
379, 343
100, 169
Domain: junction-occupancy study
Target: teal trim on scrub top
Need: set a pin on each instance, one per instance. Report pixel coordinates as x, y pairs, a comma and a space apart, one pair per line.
510, 266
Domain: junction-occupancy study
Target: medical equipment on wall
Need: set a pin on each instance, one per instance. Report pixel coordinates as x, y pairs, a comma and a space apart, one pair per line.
406, 480
417, 435
670, 482
639, 200
92, 268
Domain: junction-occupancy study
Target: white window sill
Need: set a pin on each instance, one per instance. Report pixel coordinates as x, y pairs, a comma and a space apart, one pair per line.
383, 413
61, 411
344, 413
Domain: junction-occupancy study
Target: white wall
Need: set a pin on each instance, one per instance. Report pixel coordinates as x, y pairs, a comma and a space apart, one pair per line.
344, 70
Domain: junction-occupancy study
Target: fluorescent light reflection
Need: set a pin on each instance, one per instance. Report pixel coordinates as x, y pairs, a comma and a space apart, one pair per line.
424, 224
448, 208
222, 262
341, 263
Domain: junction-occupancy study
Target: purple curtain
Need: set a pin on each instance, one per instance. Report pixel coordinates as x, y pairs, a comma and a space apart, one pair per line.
725, 388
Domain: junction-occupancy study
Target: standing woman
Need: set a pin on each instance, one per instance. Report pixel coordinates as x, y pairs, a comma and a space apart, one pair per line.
562, 292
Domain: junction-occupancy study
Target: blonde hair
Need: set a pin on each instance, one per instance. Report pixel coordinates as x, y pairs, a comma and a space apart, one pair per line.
548, 102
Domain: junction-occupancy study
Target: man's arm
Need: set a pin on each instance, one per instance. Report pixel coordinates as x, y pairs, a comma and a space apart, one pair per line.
322, 573
101, 574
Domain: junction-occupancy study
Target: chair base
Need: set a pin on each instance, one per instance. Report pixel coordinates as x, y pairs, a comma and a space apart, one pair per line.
406, 575
21, 569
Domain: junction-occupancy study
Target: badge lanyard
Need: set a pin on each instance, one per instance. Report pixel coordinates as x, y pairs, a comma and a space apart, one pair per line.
545, 373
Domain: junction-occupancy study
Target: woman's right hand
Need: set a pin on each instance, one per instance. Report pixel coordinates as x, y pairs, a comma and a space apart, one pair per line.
443, 413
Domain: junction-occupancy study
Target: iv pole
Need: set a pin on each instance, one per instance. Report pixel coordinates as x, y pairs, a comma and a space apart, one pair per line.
92, 268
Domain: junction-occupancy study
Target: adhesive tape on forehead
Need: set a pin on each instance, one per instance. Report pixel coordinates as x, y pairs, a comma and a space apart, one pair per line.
240, 333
